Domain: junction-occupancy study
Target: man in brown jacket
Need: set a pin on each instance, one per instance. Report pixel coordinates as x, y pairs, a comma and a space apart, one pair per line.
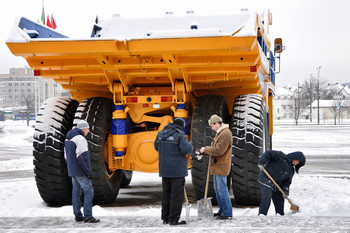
220, 164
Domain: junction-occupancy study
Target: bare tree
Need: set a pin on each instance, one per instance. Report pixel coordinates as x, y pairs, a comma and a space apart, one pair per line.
307, 90
295, 109
312, 89
28, 102
338, 103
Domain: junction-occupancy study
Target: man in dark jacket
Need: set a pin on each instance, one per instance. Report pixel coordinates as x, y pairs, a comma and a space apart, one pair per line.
281, 167
79, 168
173, 146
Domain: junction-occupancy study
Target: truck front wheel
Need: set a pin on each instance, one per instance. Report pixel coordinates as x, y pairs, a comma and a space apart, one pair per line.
54, 120
251, 138
202, 135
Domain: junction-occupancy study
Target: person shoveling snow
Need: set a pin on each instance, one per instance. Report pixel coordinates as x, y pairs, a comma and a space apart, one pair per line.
277, 170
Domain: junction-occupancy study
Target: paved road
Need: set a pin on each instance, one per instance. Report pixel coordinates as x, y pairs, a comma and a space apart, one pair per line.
336, 165
153, 224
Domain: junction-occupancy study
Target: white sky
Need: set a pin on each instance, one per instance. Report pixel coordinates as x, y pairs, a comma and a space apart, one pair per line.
315, 32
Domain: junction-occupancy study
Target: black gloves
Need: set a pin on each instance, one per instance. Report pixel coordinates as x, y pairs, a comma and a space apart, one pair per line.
286, 190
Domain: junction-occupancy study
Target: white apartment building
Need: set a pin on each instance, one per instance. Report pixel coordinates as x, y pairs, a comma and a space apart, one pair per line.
21, 83
282, 103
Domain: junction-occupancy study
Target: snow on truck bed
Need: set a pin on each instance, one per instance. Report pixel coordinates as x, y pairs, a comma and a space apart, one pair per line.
169, 26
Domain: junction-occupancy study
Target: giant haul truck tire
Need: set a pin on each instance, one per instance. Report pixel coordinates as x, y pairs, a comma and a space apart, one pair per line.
97, 112
126, 179
250, 138
202, 135
54, 120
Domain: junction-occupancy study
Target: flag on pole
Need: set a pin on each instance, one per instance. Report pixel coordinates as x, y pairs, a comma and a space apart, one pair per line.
53, 23
43, 16
48, 22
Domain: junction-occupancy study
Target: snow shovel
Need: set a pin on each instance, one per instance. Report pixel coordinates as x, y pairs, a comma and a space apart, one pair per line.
188, 206
204, 206
293, 207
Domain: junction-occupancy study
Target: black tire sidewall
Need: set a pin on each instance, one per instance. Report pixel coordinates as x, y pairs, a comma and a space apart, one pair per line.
54, 120
97, 112
202, 135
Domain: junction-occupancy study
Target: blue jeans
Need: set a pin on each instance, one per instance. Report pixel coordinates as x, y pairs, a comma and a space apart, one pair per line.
222, 195
82, 183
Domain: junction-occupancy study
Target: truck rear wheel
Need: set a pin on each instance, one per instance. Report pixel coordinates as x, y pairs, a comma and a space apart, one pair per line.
97, 112
202, 135
250, 139
54, 120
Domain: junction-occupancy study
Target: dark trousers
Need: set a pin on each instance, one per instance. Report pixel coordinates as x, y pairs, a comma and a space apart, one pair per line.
266, 195
172, 198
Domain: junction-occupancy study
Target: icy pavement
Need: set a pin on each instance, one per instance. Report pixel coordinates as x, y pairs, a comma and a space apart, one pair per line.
322, 191
153, 224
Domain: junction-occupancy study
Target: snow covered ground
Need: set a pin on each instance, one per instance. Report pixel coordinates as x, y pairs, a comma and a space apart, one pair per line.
322, 191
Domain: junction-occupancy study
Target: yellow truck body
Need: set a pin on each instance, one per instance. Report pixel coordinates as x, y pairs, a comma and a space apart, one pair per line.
154, 70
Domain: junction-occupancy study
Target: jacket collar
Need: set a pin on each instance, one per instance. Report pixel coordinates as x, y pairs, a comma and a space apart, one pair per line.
222, 127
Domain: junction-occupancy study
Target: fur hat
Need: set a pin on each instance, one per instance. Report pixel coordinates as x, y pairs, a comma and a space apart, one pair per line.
213, 119
179, 122
82, 125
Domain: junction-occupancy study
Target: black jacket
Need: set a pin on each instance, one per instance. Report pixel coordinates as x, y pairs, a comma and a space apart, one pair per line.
173, 146
280, 167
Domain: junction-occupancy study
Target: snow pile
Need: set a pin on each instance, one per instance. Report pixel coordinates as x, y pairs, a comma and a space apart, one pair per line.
17, 164
16, 133
323, 198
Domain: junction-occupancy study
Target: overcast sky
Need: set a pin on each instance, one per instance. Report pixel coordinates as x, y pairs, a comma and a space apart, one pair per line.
314, 32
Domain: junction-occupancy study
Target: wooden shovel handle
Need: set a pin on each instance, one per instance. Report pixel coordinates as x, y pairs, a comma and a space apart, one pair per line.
207, 182
279, 188
186, 198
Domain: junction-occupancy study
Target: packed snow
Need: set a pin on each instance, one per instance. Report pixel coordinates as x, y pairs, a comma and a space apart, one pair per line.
322, 191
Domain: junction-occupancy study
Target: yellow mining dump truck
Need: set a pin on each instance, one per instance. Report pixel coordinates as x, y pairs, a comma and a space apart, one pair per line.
133, 77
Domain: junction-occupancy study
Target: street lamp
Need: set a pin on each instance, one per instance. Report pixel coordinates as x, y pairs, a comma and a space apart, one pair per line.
318, 95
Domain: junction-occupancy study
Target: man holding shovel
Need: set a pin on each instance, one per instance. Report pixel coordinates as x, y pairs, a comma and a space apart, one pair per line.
220, 164
173, 146
277, 170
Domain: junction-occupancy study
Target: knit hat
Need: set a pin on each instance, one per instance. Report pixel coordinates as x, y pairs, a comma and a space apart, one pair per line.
213, 119
179, 122
82, 125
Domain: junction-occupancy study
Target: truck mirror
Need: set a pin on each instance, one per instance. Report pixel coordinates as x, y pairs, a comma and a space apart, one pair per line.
278, 45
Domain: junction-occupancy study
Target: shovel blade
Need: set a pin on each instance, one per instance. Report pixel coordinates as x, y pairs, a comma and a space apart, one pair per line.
294, 208
188, 208
205, 208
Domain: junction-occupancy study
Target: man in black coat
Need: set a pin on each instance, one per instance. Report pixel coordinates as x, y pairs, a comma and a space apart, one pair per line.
173, 146
281, 167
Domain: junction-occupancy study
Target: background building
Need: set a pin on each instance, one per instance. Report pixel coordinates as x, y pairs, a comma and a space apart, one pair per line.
20, 85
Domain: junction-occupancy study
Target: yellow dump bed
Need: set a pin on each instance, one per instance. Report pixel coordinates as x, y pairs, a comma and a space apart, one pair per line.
216, 54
